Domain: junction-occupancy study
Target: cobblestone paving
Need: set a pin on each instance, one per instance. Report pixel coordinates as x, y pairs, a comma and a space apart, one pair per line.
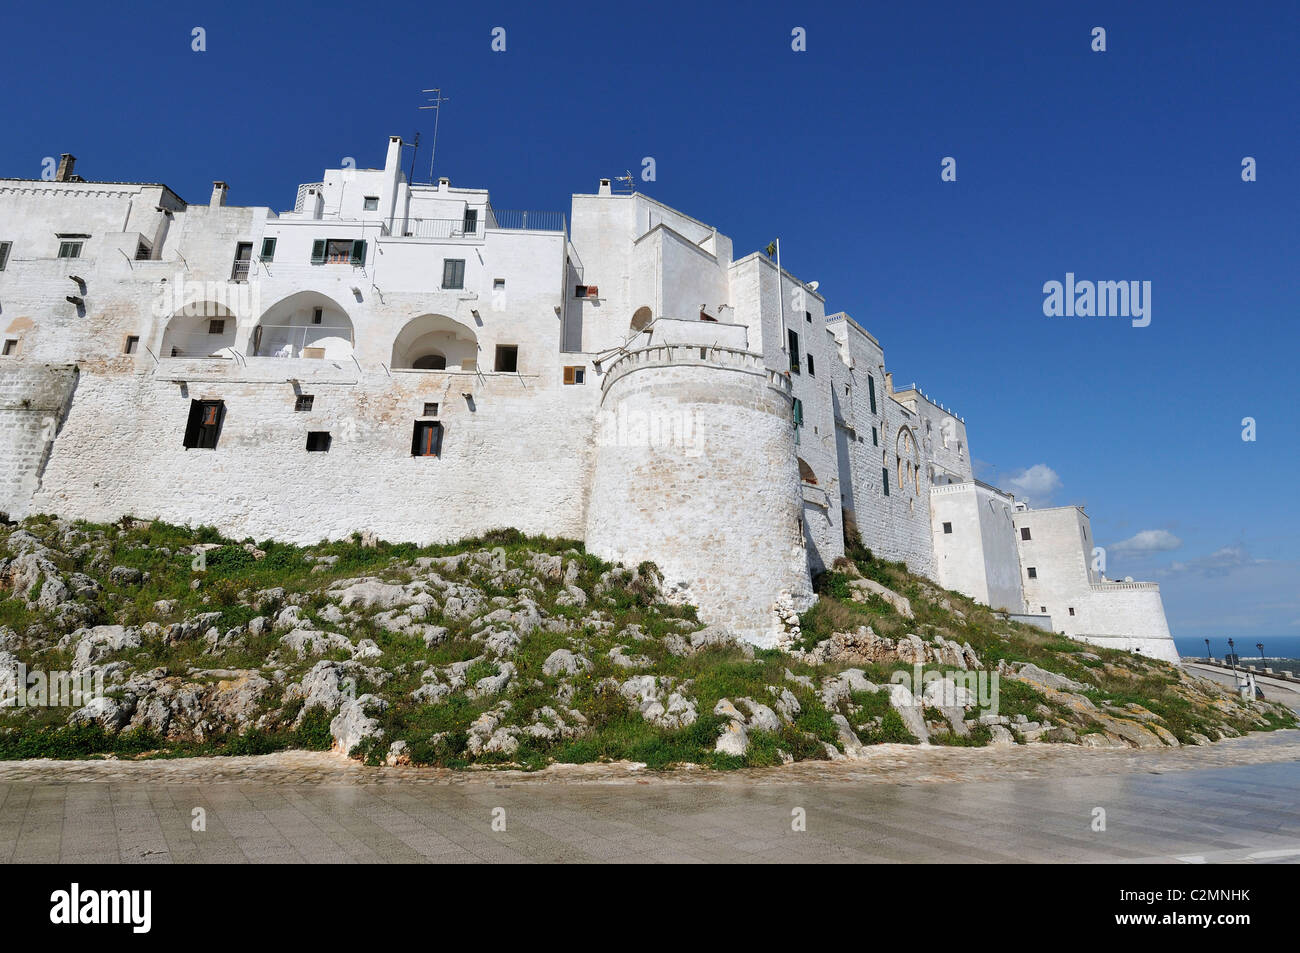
1234, 801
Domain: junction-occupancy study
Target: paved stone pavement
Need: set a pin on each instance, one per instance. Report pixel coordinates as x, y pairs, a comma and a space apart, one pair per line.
1234, 801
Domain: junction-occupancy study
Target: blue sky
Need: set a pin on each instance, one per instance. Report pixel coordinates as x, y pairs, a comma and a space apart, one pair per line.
1122, 165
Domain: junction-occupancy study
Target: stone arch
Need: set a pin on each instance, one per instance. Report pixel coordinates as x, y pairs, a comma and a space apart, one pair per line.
306, 324
906, 455
806, 473
429, 338
200, 329
641, 317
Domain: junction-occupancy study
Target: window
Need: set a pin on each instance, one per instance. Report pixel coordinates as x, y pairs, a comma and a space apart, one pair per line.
875, 439
1071, 611
132, 344
4, 254
575, 375
947, 527
204, 426
498, 284
11, 347
69, 249
1033, 573
370, 203
792, 342
268, 249
426, 439
317, 314
430, 409
453, 273
1024, 532
302, 403
884, 475
1042, 609
318, 441
871, 391
798, 412
507, 358
580, 291
338, 251
470, 224
217, 326
811, 372
142, 251
243, 259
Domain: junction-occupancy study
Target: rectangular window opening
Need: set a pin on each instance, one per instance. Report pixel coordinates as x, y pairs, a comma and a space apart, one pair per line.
303, 403
426, 439
318, 441
203, 429
947, 527
4, 254
1033, 573
884, 475
217, 326
132, 344
430, 409
268, 249
1024, 532
69, 249
507, 358
792, 342
575, 375
370, 203
11, 347
453, 274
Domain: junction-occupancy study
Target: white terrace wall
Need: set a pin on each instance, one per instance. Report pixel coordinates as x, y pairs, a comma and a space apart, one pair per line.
977, 554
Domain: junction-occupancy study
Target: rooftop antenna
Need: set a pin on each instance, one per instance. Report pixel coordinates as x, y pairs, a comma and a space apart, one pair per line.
435, 103
415, 149
627, 186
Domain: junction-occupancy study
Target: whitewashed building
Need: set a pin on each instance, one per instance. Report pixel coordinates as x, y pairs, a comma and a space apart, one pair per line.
408, 360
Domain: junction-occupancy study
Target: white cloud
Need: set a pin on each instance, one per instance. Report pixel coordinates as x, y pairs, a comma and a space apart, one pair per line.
1218, 563
1035, 484
1147, 541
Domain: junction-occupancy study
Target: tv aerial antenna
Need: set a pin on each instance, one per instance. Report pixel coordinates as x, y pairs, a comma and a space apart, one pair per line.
435, 103
626, 184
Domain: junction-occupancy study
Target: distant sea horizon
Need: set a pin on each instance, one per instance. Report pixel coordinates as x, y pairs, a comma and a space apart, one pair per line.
1275, 646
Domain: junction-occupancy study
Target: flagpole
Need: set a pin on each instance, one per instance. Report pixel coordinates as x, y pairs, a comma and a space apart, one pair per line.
780, 295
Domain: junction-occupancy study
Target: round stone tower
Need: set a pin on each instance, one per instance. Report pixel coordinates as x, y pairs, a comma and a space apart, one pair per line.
696, 470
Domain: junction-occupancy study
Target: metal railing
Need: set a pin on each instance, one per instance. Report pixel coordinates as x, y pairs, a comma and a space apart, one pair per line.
310, 340
199, 344
436, 228
520, 219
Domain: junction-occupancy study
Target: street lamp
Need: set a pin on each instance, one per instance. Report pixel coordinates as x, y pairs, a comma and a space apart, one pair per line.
1260, 646
1232, 655
1208, 656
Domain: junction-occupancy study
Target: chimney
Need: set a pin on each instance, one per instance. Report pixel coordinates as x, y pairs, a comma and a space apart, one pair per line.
219, 190
66, 162
604, 187
444, 183
390, 186
889, 382
315, 204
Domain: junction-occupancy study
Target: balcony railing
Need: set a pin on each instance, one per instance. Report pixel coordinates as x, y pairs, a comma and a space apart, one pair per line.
436, 228
312, 340
523, 219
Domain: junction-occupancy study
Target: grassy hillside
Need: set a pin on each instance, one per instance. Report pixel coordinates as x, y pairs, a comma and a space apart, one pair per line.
528, 651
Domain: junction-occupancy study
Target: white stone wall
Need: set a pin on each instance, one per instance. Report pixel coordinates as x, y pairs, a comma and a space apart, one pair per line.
978, 557
718, 513
33, 401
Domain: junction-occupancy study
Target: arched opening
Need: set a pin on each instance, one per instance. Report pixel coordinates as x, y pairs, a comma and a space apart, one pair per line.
200, 329
435, 342
806, 472
909, 466
432, 361
640, 318
306, 324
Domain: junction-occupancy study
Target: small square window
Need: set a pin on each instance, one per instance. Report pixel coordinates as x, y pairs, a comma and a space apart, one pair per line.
580, 291
1024, 532
430, 409
370, 203
217, 326
1043, 609
426, 439
1033, 573
453, 273
947, 527
498, 284
575, 375
11, 347
132, 344
69, 249
807, 316
268, 249
507, 358
1072, 610
303, 402
318, 441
